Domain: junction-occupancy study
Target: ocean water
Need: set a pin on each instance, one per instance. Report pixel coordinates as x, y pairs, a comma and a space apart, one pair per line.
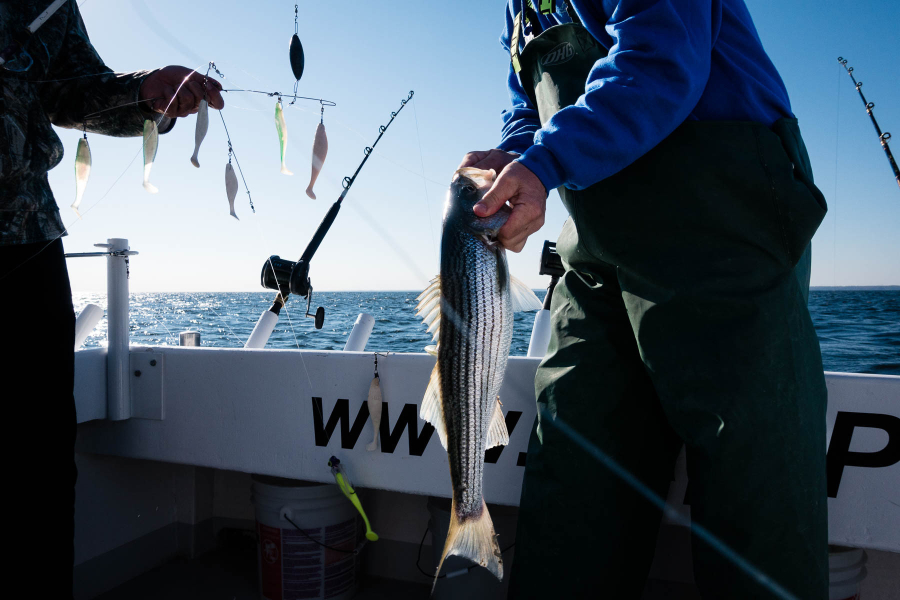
859, 331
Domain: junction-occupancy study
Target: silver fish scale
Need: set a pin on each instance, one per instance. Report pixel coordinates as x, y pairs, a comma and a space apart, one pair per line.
475, 337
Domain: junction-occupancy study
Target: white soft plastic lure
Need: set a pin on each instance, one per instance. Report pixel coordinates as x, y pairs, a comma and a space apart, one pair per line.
200, 131
281, 127
374, 403
320, 151
151, 142
231, 188
82, 171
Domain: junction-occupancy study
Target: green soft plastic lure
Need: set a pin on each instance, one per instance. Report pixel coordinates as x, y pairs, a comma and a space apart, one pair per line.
82, 171
338, 471
281, 127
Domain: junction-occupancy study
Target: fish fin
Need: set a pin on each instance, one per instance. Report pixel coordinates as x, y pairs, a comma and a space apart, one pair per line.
474, 539
431, 409
432, 350
434, 283
433, 314
497, 435
523, 299
310, 193
429, 307
426, 308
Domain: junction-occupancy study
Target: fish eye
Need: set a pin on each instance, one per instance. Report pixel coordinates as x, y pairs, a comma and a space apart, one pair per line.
469, 189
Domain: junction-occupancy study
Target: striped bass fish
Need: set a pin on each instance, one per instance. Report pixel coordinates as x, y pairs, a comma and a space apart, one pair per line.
469, 308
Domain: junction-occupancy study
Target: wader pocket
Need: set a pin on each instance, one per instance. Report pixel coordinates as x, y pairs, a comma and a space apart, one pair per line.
799, 203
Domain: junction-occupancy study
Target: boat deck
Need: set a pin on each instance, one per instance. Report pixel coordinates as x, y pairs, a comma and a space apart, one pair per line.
231, 574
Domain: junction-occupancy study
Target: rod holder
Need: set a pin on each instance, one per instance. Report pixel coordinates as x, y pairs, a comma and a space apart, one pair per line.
189, 338
359, 335
118, 380
85, 323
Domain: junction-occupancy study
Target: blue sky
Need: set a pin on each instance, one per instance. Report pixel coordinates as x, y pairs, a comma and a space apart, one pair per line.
366, 56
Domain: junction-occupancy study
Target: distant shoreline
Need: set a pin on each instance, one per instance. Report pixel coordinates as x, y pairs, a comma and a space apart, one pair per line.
855, 288
815, 288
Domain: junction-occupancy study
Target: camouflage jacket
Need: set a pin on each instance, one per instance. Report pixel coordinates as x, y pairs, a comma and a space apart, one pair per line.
66, 82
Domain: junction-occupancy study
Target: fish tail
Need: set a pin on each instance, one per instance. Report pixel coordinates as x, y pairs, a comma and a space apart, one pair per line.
474, 539
194, 160
285, 170
310, 193
150, 187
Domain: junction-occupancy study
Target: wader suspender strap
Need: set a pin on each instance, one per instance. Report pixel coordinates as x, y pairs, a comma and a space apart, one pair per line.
526, 15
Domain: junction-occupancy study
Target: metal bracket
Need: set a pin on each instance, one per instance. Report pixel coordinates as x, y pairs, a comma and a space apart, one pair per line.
146, 379
107, 253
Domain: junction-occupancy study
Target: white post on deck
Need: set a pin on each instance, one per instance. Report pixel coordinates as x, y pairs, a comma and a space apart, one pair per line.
359, 336
540, 334
263, 330
118, 390
85, 322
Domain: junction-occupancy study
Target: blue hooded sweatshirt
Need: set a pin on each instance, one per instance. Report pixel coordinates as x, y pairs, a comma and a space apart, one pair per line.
669, 61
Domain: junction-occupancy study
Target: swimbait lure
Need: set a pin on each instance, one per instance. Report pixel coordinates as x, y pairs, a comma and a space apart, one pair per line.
200, 130
151, 142
231, 188
319, 152
82, 171
281, 127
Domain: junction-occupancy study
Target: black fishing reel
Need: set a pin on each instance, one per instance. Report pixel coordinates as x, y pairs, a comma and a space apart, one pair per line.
289, 277
551, 264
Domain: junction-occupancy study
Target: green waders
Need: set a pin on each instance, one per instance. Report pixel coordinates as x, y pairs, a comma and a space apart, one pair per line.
680, 320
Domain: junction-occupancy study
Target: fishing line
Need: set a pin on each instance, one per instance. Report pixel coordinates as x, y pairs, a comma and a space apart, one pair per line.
425, 183
291, 323
379, 156
100, 112
240, 170
280, 95
137, 325
297, 527
71, 78
233, 334
837, 133
637, 485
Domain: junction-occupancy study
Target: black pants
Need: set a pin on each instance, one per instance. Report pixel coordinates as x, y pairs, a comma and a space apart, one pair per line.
37, 375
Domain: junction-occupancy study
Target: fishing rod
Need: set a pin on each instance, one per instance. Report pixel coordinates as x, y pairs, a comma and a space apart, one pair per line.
882, 137
289, 277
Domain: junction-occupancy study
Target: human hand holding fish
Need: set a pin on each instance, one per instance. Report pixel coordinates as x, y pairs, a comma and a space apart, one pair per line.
488, 159
526, 195
177, 91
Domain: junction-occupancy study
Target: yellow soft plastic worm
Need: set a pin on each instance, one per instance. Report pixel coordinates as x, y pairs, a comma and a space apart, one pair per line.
338, 471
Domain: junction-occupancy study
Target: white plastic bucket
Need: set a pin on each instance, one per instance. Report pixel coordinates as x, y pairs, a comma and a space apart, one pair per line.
846, 570
291, 565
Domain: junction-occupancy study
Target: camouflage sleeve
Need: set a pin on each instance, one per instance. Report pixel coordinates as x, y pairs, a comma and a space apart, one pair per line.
88, 93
